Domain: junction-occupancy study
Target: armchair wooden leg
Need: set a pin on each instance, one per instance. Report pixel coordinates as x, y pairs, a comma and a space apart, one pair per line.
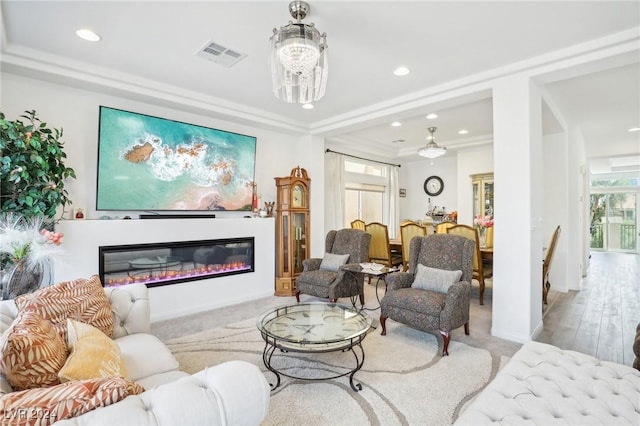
362, 299
298, 296
447, 338
383, 324
466, 328
481, 282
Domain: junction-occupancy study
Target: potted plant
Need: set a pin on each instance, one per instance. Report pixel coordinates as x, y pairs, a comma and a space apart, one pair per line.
32, 169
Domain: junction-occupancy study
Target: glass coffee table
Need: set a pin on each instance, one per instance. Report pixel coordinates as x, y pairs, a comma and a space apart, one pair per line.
314, 328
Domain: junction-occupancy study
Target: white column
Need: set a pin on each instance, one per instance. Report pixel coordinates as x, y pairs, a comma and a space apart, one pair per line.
517, 288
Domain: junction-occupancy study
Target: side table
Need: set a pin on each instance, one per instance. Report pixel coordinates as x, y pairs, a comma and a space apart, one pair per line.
378, 274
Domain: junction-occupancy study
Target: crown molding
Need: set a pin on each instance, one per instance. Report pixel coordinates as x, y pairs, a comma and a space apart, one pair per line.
36, 64
624, 44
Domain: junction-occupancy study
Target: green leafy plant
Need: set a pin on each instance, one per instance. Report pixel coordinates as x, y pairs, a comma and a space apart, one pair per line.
32, 170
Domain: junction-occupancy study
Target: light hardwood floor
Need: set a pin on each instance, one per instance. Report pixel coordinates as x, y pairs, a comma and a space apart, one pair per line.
600, 319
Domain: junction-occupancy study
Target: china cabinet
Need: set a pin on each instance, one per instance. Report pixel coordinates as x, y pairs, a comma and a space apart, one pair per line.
292, 232
482, 184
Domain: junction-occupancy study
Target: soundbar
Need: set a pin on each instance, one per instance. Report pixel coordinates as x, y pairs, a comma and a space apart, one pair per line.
177, 216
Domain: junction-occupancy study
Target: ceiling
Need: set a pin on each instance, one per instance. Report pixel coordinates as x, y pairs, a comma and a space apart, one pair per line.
150, 45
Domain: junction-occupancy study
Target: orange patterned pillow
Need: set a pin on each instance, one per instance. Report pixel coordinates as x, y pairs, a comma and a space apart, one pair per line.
32, 352
71, 399
81, 300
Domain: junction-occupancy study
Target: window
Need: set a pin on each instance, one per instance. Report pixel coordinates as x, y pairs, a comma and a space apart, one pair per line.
365, 192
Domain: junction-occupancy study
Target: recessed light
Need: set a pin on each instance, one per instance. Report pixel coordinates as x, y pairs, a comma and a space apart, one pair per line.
88, 35
307, 106
401, 71
396, 124
463, 132
634, 129
432, 116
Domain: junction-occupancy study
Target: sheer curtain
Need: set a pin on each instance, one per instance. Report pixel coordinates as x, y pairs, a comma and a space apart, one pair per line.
334, 191
394, 202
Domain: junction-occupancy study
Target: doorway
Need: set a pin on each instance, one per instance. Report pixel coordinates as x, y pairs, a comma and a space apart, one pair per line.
614, 221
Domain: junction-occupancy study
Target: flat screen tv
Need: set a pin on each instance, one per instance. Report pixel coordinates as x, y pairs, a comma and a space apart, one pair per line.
148, 163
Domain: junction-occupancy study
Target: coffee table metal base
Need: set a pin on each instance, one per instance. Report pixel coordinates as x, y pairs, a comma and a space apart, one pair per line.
272, 344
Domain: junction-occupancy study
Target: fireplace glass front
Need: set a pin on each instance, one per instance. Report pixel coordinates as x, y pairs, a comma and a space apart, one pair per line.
171, 263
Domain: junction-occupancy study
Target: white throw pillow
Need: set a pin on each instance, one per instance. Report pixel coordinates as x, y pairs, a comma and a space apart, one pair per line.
333, 262
438, 280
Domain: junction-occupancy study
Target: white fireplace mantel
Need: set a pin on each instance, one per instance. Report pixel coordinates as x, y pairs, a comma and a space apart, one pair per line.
83, 237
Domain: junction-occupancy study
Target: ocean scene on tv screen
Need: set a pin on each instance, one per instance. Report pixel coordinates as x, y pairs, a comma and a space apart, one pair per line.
149, 163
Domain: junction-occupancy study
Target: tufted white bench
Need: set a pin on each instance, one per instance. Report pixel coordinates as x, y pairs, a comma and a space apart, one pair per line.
544, 385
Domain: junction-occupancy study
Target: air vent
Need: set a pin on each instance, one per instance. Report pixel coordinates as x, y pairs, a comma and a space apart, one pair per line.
219, 54
398, 141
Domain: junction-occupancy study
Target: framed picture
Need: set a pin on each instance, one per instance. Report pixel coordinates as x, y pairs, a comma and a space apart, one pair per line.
149, 163
403, 192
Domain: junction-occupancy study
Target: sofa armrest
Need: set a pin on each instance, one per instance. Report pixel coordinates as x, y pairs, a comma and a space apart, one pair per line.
398, 280
130, 307
231, 393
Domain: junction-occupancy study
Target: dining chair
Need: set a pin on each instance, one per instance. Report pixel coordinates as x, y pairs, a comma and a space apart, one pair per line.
407, 232
358, 224
380, 249
546, 264
489, 238
442, 227
481, 270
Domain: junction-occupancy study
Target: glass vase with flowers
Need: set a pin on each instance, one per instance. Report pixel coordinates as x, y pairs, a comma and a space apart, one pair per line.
482, 223
27, 249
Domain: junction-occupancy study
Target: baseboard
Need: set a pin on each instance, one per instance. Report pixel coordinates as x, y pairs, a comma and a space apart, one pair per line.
206, 307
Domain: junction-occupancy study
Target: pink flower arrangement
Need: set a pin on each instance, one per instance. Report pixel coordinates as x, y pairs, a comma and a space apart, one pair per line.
483, 221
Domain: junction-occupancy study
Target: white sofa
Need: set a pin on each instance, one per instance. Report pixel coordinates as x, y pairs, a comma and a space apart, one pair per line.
232, 393
543, 385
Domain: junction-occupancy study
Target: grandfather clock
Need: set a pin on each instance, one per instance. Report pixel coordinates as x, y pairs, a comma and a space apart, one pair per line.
292, 233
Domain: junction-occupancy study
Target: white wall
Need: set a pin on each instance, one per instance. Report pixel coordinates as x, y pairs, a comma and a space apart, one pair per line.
76, 111
82, 238
412, 175
517, 271
556, 205
471, 161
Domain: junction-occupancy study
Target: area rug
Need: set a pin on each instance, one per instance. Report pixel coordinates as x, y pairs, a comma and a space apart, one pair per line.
405, 380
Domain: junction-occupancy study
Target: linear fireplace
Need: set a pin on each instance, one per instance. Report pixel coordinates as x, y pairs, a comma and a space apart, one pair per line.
159, 264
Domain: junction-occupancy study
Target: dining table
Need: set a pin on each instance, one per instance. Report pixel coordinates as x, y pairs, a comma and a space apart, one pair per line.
486, 253
395, 244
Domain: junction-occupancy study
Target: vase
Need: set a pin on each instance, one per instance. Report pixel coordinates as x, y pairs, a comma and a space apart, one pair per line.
22, 278
482, 236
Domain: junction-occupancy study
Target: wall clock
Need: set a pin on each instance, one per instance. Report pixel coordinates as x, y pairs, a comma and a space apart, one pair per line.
433, 185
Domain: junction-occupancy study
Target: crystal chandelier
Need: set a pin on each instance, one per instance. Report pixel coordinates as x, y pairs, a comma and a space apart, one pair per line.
299, 63
432, 150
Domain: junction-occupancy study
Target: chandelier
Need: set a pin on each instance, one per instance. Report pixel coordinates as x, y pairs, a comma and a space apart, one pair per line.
299, 63
432, 150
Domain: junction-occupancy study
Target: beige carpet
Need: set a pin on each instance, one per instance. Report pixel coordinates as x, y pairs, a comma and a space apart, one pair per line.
404, 379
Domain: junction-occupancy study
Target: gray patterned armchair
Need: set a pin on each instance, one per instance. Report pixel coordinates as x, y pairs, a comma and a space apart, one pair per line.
333, 284
429, 310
